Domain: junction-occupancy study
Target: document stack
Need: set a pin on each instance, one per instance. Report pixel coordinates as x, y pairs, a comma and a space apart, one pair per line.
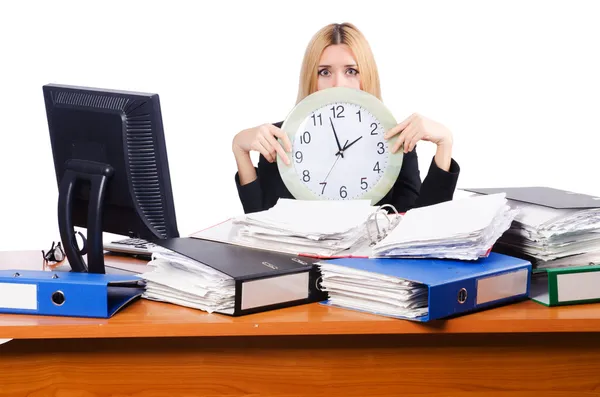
372, 292
464, 229
228, 279
558, 231
312, 225
177, 279
424, 289
459, 229
551, 237
553, 228
315, 228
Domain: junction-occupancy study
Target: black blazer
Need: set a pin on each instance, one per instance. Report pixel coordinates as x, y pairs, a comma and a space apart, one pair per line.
408, 191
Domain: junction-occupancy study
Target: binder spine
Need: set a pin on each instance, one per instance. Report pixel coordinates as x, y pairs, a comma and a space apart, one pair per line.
66, 299
451, 299
315, 290
53, 297
303, 287
552, 288
479, 292
237, 299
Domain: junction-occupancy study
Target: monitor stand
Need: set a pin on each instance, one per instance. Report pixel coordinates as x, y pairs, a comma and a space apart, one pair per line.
98, 175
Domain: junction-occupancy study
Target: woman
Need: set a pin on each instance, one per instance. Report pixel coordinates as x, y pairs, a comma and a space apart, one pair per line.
339, 55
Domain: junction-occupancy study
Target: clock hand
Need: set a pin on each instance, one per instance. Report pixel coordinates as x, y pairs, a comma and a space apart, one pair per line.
331, 169
337, 155
341, 152
352, 143
346, 145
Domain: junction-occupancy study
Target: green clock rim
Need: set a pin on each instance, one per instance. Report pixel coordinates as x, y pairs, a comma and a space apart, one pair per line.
328, 96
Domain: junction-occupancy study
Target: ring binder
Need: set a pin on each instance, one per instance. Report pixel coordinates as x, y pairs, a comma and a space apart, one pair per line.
390, 225
322, 236
226, 279
71, 294
465, 228
424, 290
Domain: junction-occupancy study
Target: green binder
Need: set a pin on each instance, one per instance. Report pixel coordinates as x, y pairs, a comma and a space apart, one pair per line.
566, 285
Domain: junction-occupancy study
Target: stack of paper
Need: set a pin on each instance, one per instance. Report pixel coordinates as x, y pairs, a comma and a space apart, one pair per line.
177, 279
552, 237
323, 228
585, 259
465, 228
373, 292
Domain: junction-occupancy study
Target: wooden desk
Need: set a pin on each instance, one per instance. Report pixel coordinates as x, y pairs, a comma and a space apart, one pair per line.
156, 349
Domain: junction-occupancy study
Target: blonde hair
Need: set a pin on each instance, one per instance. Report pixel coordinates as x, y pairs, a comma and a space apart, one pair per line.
339, 33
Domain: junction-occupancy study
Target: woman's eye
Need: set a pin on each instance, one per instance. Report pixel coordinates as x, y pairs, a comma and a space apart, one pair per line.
324, 72
353, 72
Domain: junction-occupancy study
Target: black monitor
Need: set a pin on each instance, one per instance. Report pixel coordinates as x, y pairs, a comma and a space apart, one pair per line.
111, 166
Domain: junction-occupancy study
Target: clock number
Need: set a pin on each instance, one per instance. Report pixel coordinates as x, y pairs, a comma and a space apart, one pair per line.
315, 119
324, 184
343, 192
338, 115
305, 138
306, 176
381, 149
363, 184
359, 118
299, 156
376, 167
374, 126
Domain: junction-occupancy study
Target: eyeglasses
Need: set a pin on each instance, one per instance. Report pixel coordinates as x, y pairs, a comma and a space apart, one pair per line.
55, 254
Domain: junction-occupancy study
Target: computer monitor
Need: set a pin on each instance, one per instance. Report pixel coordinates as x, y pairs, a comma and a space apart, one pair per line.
111, 166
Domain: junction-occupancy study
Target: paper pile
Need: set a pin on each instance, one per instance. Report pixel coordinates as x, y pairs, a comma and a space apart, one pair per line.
551, 237
373, 292
177, 279
322, 228
465, 229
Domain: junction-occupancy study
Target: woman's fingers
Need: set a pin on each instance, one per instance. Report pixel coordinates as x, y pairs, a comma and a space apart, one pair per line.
261, 145
399, 127
414, 139
281, 135
404, 138
275, 146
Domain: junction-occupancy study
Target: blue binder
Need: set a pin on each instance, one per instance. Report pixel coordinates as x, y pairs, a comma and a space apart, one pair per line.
66, 293
455, 287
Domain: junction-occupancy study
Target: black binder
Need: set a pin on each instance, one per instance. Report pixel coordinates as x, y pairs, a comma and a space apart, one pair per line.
544, 196
264, 280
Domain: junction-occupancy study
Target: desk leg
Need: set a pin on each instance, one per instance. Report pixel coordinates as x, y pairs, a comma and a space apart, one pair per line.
350, 366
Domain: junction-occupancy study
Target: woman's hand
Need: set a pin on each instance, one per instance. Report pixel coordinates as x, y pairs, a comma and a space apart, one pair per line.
416, 128
262, 139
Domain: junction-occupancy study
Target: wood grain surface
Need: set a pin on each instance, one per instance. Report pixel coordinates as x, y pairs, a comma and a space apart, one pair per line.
353, 366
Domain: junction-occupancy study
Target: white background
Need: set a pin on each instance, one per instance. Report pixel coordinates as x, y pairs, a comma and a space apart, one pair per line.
516, 81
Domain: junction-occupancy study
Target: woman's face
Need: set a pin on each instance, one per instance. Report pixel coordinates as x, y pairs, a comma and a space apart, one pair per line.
337, 68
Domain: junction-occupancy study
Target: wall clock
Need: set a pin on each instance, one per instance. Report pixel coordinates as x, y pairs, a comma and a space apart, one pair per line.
338, 148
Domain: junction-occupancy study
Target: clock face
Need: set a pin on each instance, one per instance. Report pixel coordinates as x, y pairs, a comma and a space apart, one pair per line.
338, 149
339, 152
